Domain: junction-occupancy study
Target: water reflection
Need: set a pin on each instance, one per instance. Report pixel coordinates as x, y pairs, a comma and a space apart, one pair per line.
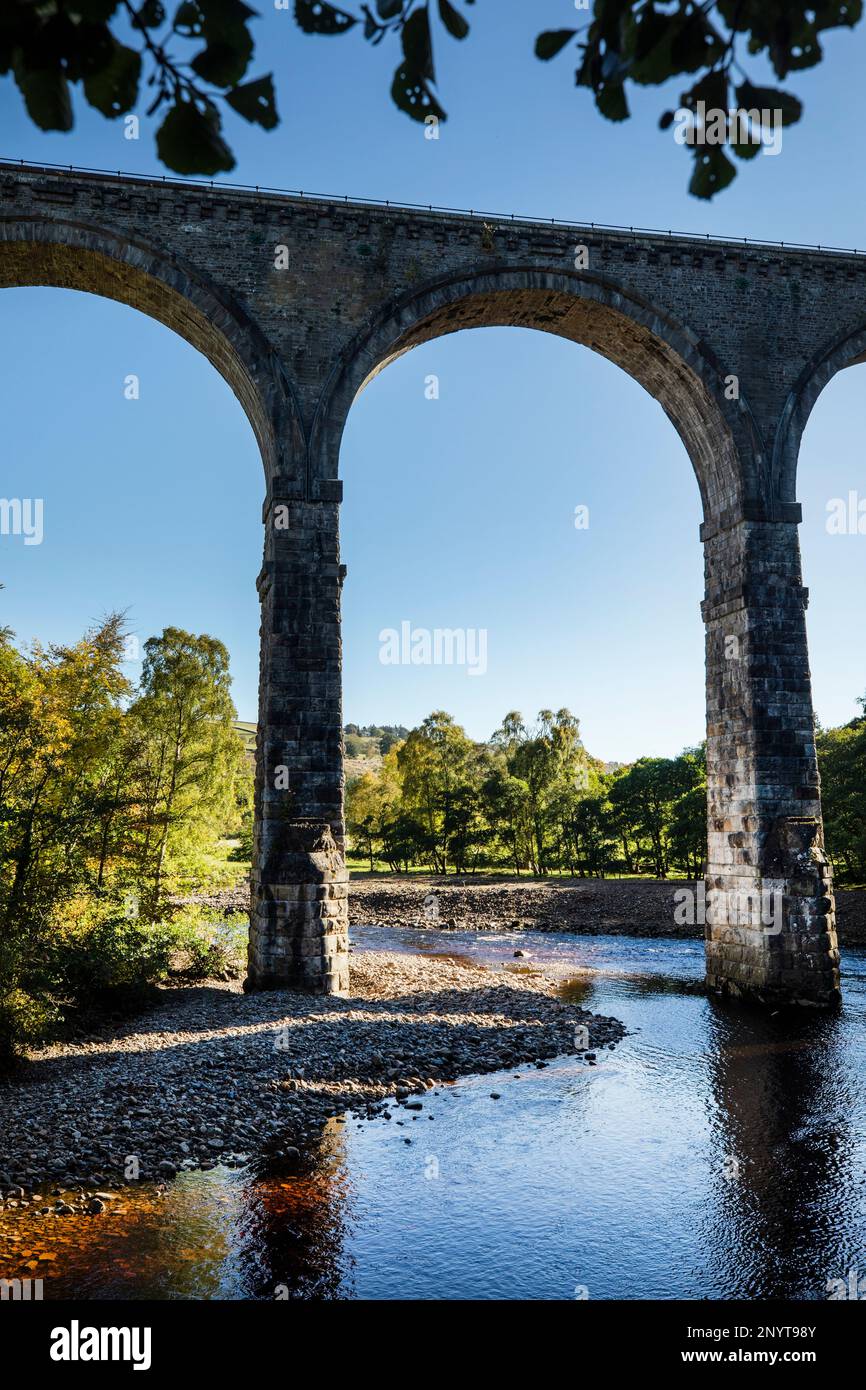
714, 1153
787, 1211
223, 1234
291, 1232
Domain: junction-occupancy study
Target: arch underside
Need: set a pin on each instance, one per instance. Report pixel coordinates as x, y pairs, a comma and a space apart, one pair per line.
207, 325
833, 358
680, 386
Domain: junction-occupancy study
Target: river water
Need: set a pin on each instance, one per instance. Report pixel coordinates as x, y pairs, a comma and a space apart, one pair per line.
714, 1153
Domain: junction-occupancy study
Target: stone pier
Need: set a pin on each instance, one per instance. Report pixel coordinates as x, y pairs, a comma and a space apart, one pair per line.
299, 301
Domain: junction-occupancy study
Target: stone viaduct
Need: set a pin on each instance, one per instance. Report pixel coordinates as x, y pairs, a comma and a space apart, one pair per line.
298, 301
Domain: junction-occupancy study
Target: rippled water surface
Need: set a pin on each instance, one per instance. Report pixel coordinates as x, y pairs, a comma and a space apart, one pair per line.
714, 1153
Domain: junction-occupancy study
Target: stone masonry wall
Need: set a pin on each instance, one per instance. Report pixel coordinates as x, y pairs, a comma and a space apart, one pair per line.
298, 301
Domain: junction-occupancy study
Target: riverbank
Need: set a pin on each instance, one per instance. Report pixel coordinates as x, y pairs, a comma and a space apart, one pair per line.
590, 907
599, 907
215, 1075
607, 1177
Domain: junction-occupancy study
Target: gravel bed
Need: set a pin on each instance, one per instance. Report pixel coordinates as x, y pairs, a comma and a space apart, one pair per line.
585, 907
214, 1075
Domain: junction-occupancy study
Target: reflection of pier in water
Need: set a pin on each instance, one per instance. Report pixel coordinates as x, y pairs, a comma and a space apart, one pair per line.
716, 1153
289, 1238
783, 1151
214, 1234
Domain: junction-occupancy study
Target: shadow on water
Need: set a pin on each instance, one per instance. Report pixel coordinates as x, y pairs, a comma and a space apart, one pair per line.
786, 1214
579, 989
715, 1152
272, 1233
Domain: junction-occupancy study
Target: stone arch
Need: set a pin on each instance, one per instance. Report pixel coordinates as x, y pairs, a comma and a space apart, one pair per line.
75, 255
833, 357
678, 370
79, 256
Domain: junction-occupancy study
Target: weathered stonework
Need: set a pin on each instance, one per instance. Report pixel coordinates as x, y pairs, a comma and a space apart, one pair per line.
734, 341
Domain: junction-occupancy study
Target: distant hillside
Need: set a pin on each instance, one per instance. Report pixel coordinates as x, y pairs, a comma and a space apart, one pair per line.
364, 746
356, 767
368, 740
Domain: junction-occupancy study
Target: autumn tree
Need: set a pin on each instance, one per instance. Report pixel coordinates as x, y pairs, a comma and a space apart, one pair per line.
842, 765
441, 772
546, 763
190, 756
372, 806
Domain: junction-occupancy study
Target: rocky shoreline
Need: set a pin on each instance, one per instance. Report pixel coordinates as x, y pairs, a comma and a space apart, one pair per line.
597, 907
213, 1075
591, 907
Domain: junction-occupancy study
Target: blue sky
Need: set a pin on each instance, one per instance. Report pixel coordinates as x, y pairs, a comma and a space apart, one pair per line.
459, 511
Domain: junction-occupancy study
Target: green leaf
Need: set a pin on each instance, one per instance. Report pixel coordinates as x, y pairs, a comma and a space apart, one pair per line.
454, 21
316, 17
223, 63
189, 141
587, 74
771, 100
785, 59
224, 21
789, 31
711, 89
650, 42
417, 45
411, 94
256, 101
611, 101
713, 171
651, 31
95, 11
114, 88
693, 45
747, 150
551, 42
152, 13
188, 19
46, 96
86, 49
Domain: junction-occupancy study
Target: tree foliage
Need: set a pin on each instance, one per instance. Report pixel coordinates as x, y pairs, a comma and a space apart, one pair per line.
107, 795
532, 800
189, 758
842, 764
624, 43
191, 62
627, 43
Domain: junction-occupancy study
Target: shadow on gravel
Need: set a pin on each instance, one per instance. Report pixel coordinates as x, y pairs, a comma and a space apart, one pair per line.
286, 1023
275, 1082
